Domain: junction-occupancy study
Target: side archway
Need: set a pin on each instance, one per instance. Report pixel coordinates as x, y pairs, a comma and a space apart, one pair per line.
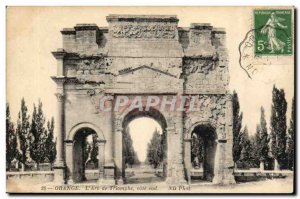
202, 137
76, 157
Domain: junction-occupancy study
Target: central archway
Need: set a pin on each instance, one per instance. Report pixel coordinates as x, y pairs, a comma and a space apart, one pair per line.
158, 117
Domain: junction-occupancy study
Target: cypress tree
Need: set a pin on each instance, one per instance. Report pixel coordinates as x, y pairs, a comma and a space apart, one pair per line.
11, 140
263, 149
256, 145
23, 127
247, 150
38, 135
278, 128
237, 126
291, 139
155, 154
50, 143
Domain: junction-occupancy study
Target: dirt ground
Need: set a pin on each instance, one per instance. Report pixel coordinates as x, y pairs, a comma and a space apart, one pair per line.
282, 185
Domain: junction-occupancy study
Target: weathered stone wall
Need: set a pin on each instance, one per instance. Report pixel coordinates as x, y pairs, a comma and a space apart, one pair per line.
80, 107
212, 110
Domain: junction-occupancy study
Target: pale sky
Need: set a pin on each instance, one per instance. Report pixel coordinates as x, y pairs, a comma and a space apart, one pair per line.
141, 131
32, 33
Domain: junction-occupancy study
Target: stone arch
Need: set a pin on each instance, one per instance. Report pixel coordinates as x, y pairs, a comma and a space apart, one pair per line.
153, 113
205, 131
74, 147
76, 128
201, 123
124, 119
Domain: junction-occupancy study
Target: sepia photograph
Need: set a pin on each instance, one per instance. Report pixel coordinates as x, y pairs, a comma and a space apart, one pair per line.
150, 100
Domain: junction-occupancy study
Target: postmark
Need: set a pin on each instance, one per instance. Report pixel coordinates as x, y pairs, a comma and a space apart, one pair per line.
275, 32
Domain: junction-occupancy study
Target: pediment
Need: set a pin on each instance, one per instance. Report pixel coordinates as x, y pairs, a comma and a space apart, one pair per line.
144, 72
146, 79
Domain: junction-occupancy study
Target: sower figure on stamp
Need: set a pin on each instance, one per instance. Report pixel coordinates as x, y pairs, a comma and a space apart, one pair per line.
269, 28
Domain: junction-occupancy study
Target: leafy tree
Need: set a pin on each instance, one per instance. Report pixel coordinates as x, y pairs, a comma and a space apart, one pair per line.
291, 139
51, 143
23, 127
94, 150
237, 126
278, 127
38, 135
197, 149
11, 140
262, 139
155, 154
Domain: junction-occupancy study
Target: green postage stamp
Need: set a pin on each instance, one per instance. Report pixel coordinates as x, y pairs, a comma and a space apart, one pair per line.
273, 32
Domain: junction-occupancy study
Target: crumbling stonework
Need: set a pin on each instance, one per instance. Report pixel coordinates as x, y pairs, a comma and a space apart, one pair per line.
142, 55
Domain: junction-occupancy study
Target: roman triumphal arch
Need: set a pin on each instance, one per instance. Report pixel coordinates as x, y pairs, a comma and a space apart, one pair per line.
137, 57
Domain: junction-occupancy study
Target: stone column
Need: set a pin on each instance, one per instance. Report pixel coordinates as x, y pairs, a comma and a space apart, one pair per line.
101, 160
109, 149
59, 165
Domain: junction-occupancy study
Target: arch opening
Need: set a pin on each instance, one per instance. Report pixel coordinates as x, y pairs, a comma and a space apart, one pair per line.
85, 155
203, 149
147, 131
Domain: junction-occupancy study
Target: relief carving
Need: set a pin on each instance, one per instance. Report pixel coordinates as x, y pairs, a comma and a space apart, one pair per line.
199, 66
95, 95
93, 66
144, 31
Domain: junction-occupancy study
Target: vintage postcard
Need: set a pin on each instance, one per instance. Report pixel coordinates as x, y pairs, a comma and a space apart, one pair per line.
177, 100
